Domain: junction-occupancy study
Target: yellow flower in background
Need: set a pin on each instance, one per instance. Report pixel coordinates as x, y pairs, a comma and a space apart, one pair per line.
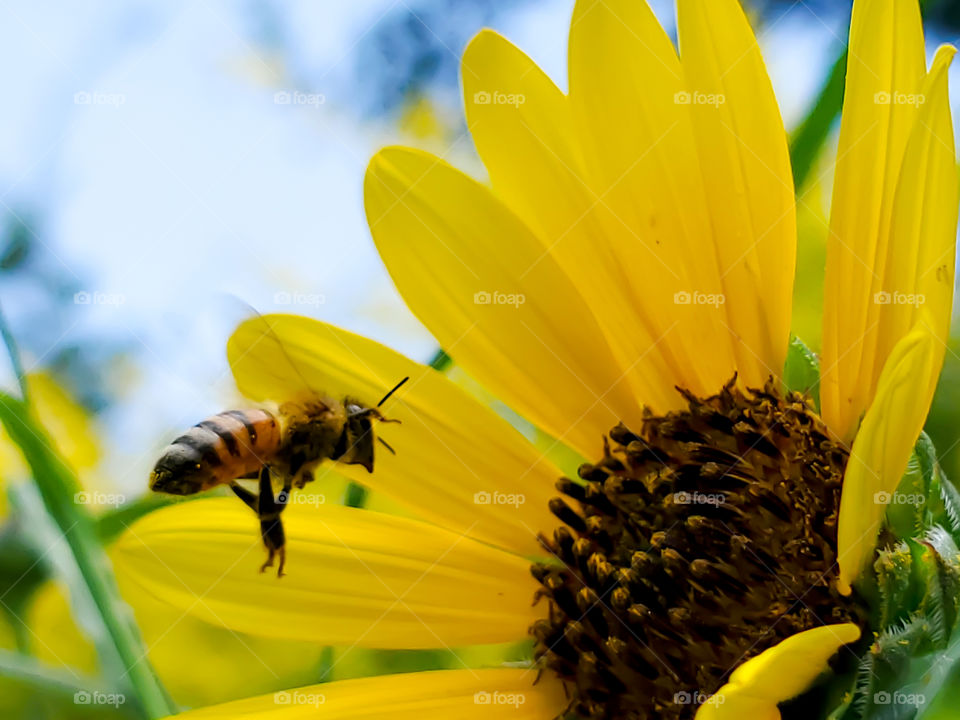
69, 425
638, 236
55, 639
242, 664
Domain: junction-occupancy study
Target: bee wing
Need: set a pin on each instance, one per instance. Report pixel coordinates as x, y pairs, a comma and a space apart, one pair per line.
272, 361
449, 448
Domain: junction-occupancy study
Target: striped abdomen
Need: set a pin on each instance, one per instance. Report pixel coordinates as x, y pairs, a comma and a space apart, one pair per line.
222, 448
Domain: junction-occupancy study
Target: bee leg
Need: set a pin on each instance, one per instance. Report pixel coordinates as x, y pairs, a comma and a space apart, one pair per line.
248, 497
306, 476
269, 561
271, 526
297, 463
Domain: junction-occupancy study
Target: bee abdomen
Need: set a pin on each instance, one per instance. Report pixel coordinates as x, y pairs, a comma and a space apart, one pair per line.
231, 444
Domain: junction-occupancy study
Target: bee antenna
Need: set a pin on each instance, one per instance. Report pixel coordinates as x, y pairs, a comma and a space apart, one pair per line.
386, 445
395, 388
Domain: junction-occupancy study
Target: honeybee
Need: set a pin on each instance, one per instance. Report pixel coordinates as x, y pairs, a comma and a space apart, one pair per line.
256, 443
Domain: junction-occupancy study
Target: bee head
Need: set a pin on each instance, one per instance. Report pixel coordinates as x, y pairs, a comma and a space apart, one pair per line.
358, 434
358, 437
177, 472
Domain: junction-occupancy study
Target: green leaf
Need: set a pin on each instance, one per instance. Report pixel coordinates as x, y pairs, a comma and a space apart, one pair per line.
907, 507
61, 688
886, 670
355, 495
52, 555
59, 488
916, 654
441, 361
950, 500
811, 134
113, 522
895, 582
945, 698
801, 371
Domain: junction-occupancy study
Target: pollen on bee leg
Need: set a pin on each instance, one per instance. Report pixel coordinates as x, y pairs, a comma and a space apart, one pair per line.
685, 550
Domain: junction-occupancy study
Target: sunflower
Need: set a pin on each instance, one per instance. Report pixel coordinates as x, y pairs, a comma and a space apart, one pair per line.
624, 283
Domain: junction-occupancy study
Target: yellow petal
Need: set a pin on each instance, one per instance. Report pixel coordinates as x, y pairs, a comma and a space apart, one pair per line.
55, 636
640, 158
64, 418
882, 448
522, 127
493, 296
66, 421
244, 665
457, 464
922, 247
353, 576
776, 675
746, 172
884, 75
442, 694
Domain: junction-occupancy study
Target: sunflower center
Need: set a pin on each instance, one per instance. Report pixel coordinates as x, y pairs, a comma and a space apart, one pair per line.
696, 542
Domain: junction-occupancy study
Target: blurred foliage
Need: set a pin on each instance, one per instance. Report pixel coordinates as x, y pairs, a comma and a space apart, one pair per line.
39, 292
809, 137
69, 424
414, 50
812, 230
944, 14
